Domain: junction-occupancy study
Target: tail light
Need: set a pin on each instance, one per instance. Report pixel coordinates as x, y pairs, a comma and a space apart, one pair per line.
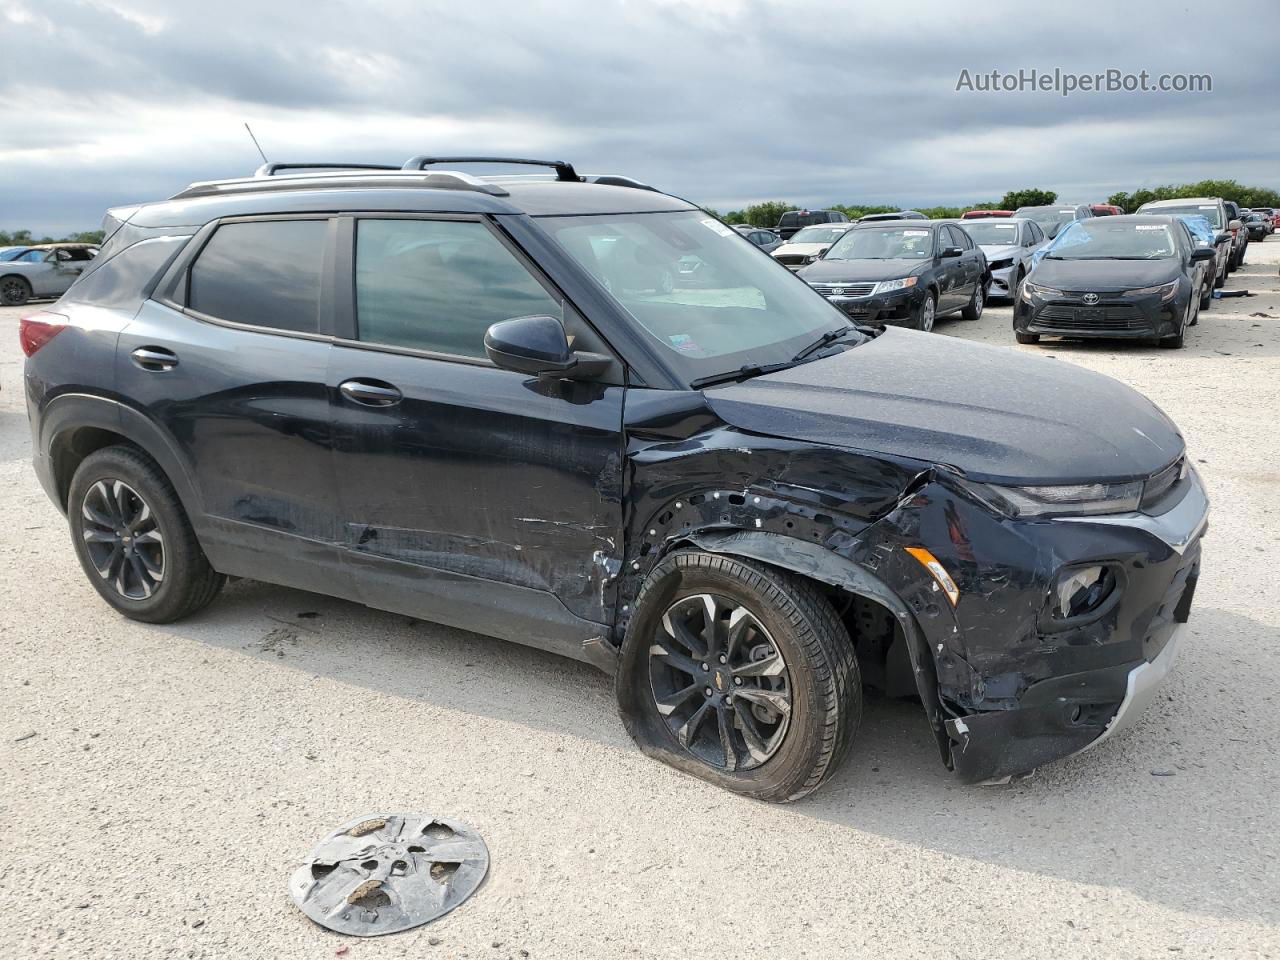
38, 329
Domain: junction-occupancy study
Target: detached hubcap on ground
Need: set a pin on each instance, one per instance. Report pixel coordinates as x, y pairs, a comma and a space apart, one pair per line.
719, 682
123, 539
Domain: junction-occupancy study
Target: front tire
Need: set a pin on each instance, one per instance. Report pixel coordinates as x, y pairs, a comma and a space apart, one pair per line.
14, 291
740, 674
134, 540
1026, 337
926, 313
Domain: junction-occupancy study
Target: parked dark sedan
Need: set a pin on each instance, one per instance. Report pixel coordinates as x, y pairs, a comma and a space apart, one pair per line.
1132, 276
903, 272
1258, 225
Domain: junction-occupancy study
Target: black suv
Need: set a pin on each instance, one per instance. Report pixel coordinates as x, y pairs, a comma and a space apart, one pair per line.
478, 401
793, 221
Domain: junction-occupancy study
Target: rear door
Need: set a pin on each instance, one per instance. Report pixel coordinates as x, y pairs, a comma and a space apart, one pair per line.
473, 496
229, 360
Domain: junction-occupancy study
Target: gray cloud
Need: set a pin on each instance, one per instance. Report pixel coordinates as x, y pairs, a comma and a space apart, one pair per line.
719, 100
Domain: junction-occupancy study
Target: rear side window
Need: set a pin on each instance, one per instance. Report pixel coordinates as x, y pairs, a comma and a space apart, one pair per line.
265, 273
122, 280
438, 285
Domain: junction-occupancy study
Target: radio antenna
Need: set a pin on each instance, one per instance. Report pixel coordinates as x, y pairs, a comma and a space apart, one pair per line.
255, 143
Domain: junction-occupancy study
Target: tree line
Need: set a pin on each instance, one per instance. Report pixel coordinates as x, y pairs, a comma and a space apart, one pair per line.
769, 213
23, 238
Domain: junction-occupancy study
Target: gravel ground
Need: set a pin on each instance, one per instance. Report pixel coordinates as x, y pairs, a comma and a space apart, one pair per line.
159, 783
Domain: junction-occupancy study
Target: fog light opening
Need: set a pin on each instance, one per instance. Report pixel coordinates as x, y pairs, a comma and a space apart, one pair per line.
1081, 591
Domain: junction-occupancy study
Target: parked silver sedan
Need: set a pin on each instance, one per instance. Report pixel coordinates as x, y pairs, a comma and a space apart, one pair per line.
42, 270
1008, 243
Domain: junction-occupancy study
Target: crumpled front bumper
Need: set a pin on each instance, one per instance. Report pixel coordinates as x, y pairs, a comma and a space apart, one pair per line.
1064, 713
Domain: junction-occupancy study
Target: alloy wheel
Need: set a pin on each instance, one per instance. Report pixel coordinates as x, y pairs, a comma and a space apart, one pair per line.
13, 292
927, 312
719, 682
123, 539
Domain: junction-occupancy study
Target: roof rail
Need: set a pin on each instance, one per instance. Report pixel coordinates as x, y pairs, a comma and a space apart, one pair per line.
564, 171
615, 180
379, 177
270, 169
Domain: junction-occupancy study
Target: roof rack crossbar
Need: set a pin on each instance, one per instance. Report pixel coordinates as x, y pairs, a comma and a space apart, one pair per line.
271, 169
564, 171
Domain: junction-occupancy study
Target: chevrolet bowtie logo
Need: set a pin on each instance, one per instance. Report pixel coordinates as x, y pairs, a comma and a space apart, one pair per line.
719, 682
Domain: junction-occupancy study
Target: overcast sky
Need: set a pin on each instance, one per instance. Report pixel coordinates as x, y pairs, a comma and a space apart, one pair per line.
722, 101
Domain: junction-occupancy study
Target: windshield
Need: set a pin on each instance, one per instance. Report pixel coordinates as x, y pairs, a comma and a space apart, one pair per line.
736, 308
1101, 238
818, 235
11, 253
883, 243
1210, 211
991, 234
1047, 215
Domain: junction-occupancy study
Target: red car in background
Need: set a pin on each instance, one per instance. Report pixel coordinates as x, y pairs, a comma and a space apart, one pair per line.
978, 214
1105, 210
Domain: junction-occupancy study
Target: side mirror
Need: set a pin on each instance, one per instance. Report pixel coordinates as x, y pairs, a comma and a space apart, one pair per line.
538, 345
1221, 237
950, 252
1203, 253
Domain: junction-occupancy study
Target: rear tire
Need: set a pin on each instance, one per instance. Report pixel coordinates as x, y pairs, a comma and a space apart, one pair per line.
1206, 297
14, 291
684, 715
134, 540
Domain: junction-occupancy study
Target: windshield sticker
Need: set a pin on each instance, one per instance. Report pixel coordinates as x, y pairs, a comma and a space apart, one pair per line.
717, 227
1208, 206
915, 233
1148, 226
684, 343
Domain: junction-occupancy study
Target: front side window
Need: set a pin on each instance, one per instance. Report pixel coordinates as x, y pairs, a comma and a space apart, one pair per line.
265, 273
696, 287
438, 285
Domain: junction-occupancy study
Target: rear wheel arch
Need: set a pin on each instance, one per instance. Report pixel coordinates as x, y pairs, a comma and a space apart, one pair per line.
74, 425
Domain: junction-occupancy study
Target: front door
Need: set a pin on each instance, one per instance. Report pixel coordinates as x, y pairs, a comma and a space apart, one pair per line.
473, 496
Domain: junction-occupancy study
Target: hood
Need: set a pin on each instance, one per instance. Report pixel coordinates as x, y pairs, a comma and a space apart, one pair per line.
1105, 274
807, 249
999, 251
849, 271
994, 413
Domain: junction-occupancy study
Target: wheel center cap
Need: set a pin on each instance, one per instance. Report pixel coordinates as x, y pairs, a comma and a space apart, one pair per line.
723, 681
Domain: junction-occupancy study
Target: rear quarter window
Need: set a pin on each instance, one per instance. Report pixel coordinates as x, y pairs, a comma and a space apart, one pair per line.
126, 279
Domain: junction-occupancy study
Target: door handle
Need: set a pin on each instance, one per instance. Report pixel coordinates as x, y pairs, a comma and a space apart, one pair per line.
154, 359
371, 393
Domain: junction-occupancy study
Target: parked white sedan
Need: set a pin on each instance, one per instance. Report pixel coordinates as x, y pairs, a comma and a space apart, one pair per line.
1007, 243
42, 270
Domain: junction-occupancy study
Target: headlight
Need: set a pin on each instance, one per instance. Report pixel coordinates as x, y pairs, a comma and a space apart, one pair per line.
888, 286
1082, 499
1030, 290
812, 258
1165, 290
1001, 264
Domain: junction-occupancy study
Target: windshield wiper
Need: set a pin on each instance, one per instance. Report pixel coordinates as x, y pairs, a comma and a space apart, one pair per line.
744, 372
831, 336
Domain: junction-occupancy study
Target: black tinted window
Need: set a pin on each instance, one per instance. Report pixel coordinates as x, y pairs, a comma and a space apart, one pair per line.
265, 273
438, 285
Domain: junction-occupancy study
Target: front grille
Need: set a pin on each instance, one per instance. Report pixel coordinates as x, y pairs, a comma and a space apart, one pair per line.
1119, 316
1159, 484
845, 289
